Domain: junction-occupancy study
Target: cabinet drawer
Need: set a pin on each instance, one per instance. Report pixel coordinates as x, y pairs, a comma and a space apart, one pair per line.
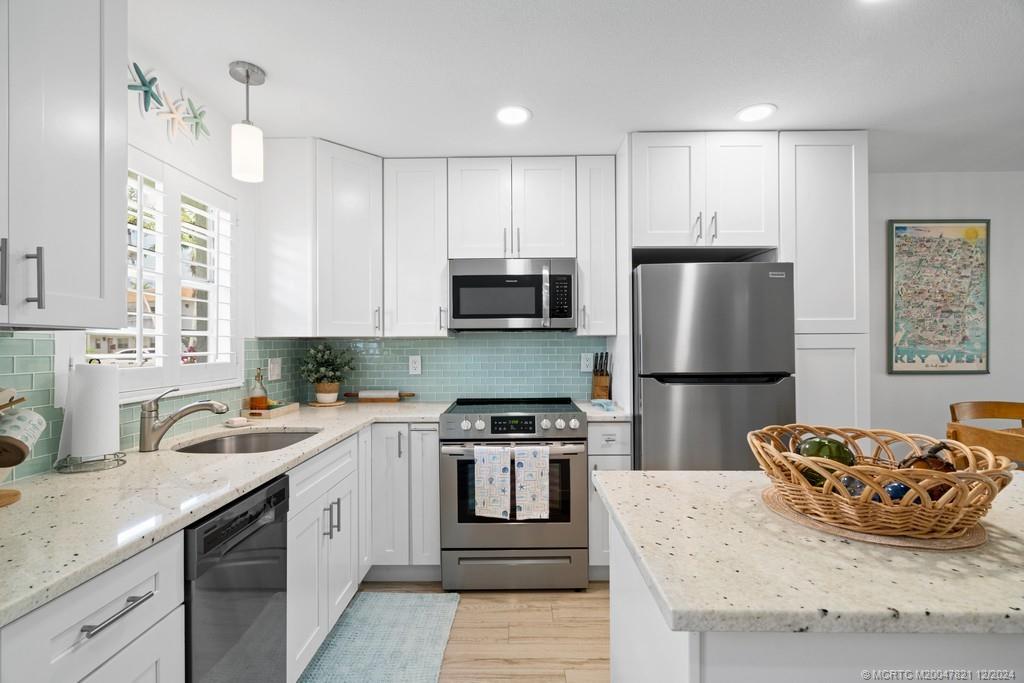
158, 655
311, 479
120, 604
608, 438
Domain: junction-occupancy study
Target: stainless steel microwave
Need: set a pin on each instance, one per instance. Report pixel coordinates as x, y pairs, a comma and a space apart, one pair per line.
512, 294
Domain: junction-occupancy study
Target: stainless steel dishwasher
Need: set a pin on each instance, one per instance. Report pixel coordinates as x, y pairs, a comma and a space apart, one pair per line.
235, 580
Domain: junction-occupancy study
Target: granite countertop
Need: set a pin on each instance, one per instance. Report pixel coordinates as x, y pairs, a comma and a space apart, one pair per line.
716, 559
595, 414
69, 528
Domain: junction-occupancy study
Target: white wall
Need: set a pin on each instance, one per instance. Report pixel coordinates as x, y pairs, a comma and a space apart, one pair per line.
913, 403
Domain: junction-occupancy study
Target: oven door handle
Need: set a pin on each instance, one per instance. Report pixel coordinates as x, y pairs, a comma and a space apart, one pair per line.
574, 449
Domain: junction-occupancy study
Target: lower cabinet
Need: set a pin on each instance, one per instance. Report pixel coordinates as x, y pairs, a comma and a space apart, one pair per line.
342, 546
833, 380
599, 543
424, 495
157, 656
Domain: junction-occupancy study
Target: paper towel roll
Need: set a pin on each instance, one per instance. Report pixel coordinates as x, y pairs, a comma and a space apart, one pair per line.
93, 411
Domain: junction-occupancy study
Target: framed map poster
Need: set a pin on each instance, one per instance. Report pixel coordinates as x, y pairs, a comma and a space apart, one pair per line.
938, 296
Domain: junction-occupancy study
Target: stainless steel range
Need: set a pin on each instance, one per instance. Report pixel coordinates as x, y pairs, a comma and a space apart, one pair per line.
489, 553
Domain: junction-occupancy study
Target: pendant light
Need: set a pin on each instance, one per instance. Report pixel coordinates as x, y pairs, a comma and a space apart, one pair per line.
247, 139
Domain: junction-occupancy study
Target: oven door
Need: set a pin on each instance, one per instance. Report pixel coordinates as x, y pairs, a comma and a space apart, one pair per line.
566, 526
511, 294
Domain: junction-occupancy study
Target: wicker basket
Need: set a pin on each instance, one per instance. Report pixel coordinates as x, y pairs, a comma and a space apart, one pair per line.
938, 504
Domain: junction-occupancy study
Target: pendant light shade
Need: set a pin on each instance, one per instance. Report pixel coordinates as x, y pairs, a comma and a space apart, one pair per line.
246, 153
247, 139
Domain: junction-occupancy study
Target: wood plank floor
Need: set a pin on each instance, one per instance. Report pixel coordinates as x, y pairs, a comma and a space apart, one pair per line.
524, 635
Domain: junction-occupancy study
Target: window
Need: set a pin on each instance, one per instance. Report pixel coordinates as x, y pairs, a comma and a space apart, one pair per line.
178, 300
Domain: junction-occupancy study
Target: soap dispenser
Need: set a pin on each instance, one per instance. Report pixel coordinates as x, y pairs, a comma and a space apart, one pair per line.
258, 399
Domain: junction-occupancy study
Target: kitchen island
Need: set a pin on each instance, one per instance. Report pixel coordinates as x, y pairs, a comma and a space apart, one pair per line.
709, 585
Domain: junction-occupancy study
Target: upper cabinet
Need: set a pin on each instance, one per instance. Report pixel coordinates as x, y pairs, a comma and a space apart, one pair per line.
415, 248
543, 207
705, 189
595, 239
321, 241
63, 268
479, 207
523, 207
824, 218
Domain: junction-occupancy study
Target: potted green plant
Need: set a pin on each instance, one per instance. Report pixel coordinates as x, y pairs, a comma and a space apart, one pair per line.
325, 367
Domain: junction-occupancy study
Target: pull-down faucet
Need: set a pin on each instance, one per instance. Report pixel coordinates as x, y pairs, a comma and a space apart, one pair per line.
152, 428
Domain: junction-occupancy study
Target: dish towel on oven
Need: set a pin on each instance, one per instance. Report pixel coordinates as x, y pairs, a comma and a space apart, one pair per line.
492, 481
532, 481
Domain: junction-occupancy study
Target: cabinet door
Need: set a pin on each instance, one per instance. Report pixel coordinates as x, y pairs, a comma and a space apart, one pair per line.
824, 227
743, 189
350, 242
67, 198
479, 208
598, 514
307, 614
389, 494
365, 502
543, 207
4, 231
833, 380
424, 495
157, 656
595, 240
668, 188
415, 248
342, 546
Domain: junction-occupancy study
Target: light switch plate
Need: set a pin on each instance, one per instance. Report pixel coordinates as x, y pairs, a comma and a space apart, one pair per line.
586, 362
415, 366
274, 369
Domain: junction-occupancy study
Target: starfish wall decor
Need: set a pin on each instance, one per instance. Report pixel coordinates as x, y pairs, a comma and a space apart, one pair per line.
196, 118
182, 116
174, 113
146, 87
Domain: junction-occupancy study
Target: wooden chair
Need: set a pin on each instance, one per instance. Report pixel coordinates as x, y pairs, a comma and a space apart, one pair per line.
1008, 442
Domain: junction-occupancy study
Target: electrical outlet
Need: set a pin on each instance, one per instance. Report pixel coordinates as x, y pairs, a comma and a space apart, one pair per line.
586, 362
273, 369
415, 367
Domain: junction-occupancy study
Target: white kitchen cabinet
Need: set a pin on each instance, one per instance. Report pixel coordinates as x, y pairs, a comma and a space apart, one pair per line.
824, 228
365, 504
424, 495
343, 546
4, 225
307, 610
65, 268
389, 494
479, 207
543, 207
833, 380
742, 189
595, 243
669, 176
157, 656
349, 248
415, 248
598, 514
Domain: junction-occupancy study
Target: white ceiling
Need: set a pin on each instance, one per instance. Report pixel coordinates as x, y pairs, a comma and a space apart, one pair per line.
940, 83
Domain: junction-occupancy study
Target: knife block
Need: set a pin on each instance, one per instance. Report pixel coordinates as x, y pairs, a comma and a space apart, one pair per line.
601, 387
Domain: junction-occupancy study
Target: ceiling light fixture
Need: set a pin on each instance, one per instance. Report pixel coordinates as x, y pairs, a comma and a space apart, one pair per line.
756, 112
514, 115
247, 139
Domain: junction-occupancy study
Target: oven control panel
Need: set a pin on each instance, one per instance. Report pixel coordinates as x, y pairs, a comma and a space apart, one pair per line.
540, 425
513, 424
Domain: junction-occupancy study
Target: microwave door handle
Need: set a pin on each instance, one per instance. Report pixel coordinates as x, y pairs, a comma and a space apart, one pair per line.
545, 295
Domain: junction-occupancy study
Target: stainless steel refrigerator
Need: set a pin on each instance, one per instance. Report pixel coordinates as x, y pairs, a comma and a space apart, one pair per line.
714, 359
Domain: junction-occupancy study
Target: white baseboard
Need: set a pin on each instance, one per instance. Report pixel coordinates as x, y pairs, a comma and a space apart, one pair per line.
598, 572
404, 573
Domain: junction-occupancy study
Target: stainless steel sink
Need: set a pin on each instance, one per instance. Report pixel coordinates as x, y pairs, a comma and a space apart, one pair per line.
249, 442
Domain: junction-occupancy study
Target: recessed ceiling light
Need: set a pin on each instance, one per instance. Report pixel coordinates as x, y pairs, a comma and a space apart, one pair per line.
756, 112
514, 115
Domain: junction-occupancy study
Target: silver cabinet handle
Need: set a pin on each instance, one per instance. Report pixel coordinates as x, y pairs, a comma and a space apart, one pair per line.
592, 484
376, 318
700, 226
583, 316
399, 444
330, 521
714, 226
131, 603
441, 311
519, 242
40, 299
336, 521
504, 241
3, 271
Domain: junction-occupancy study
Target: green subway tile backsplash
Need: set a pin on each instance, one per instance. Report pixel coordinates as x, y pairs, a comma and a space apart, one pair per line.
494, 364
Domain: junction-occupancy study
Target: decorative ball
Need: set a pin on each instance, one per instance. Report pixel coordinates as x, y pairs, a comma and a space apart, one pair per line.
853, 485
824, 447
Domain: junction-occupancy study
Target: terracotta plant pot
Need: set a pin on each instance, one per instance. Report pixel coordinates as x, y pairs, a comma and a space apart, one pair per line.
326, 392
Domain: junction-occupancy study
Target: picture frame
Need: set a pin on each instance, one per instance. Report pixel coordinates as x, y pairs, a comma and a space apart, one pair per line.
938, 296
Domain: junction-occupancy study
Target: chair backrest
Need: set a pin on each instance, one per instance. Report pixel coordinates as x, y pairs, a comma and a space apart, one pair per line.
984, 410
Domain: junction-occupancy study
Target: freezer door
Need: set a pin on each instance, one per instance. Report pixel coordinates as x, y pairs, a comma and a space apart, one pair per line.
704, 426
708, 318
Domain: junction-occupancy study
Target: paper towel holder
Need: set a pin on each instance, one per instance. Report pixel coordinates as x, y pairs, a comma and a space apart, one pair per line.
70, 464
